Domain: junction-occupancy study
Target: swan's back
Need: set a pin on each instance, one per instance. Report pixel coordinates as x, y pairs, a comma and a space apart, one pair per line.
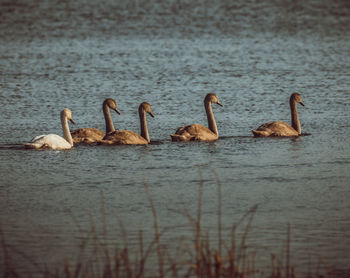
124, 137
194, 132
87, 135
49, 141
275, 129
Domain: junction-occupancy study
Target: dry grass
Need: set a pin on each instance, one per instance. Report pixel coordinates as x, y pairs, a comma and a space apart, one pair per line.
197, 257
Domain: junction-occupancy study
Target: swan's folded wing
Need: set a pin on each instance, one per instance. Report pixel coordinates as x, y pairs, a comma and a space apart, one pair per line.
194, 132
87, 135
123, 137
49, 141
36, 138
276, 128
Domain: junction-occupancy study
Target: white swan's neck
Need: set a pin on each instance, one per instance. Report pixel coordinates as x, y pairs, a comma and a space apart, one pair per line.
211, 120
294, 114
108, 118
143, 123
65, 127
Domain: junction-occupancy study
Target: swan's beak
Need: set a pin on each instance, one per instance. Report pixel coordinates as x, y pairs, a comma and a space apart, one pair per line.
151, 114
116, 110
301, 103
71, 120
218, 103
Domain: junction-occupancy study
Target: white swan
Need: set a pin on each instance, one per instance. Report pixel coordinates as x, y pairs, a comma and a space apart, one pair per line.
127, 137
53, 141
281, 128
92, 135
197, 131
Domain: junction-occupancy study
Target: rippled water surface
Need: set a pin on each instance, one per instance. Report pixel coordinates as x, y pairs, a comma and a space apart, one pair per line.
171, 54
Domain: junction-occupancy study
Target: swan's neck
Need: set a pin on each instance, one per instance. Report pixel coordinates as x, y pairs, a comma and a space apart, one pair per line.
211, 120
143, 123
108, 118
65, 128
294, 114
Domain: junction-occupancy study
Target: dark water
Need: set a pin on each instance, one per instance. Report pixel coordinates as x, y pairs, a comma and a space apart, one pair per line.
252, 55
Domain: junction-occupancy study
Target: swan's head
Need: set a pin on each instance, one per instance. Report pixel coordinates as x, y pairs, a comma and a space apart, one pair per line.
111, 103
146, 107
66, 113
212, 98
297, 98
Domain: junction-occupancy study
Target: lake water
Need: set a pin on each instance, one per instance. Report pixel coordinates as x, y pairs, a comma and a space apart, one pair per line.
253, 55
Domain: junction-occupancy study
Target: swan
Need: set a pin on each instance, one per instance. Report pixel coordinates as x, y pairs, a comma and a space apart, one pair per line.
197, 131
53, 141
281, 128
92, 135
127, 137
